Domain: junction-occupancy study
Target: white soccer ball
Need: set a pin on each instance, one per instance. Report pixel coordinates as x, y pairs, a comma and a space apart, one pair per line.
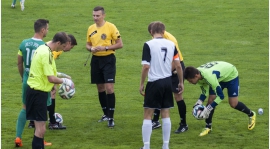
58, 118
66, 92
196, 112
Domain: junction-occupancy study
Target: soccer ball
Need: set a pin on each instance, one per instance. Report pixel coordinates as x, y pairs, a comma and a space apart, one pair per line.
58, 118
66, 92
196, 112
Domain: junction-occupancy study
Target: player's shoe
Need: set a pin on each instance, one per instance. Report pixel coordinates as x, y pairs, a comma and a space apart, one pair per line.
22, 4
31, 124
252, 121
56, 126
12, 5
205, 131
155, 124
111, 123
47, 143
182, 128
18, 142
103, 118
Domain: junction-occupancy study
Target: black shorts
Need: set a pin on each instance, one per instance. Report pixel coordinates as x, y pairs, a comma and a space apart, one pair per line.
175, 80
158, 94
36, 104
103, 69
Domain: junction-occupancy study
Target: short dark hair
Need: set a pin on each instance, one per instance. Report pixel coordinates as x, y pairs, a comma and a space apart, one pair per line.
98, 8
62, 37
150, 26
39, 24
72, 39
190, 72
157, 27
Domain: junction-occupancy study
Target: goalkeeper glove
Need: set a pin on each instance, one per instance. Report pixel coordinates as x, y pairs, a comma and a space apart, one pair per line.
62, 75
68, 82
206, 111
199, 102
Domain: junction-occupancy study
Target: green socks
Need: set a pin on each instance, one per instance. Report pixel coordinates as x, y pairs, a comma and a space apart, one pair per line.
20, 123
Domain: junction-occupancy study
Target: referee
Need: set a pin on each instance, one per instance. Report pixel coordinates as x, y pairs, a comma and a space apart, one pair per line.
103, 38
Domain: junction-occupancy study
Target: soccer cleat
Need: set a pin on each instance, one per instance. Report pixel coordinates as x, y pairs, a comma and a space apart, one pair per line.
252, 121
31, 124
205, 131
18, 142
103, 118
47, 143
182, 128
111, 123
57, 126
22, 4
12, 5
155, 124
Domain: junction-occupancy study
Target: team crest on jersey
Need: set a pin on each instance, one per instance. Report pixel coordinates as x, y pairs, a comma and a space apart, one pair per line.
103, 36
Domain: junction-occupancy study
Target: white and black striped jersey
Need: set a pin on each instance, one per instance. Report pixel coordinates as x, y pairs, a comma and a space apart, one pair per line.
159, 54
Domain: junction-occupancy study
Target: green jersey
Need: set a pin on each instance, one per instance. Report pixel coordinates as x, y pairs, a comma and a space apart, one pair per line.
43, 65
212, 73
26, 50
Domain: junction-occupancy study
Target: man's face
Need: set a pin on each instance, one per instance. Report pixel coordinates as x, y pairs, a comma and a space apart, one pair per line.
194, 80
61, 46
98, 16
45, 30
68, 47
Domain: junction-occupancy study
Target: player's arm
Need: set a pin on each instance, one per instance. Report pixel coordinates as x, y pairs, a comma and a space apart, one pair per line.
20, 63
146, 58
56, 80
179, 70
63, 75
88, 46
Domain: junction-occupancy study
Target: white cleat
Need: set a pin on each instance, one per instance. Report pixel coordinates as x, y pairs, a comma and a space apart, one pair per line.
12, 6
22, 4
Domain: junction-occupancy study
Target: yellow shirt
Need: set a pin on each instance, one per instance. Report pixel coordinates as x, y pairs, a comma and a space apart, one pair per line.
42, 65
57, 54
102, 36
170, 37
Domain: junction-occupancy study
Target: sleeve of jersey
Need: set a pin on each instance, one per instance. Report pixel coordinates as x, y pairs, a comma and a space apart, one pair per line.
20, 53
219, 94
176, 56
88, 35
204, 92
146, 56
115, 33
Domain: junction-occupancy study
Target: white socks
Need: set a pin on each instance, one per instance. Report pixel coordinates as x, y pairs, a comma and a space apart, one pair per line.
146, 133
166, 132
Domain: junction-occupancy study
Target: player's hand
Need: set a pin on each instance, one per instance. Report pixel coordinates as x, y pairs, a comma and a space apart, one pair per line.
142, 90
100, 48
206, 111
199, 102
63, 75
180, 88
66, 81
93, 49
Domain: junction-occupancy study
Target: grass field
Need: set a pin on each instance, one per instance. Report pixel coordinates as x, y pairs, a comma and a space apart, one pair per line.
234, 31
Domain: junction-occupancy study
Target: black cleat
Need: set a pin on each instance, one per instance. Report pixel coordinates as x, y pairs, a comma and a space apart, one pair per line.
182, 128
103, 118
155, 124
57, 126
31, 124
111, 123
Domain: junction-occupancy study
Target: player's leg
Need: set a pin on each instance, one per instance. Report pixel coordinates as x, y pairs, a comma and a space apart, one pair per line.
21, 121
13, 3
208, 121
98, 79
155, 121
22, 4
166, 104
233, 92
147, 127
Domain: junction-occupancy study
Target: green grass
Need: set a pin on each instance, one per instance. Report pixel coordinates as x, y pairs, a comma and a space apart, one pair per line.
234, 31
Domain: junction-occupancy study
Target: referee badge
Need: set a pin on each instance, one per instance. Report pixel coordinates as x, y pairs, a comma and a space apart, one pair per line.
103, 36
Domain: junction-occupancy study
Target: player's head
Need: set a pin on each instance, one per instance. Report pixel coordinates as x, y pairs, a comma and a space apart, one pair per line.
72, 42
41, 26
98, 14
157, 28
60, 40
192, 74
